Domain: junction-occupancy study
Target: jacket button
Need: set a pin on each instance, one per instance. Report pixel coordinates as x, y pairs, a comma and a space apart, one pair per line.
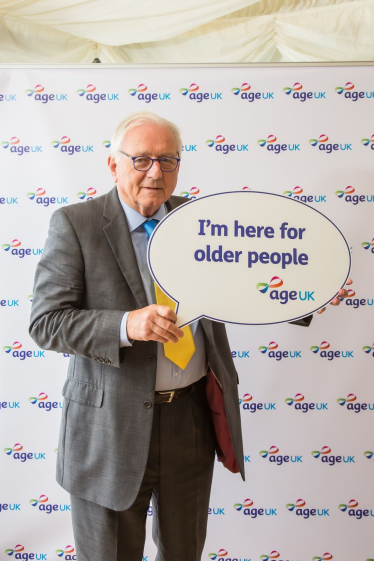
96, 358
151, 358
101, 359
147, 404
107, 361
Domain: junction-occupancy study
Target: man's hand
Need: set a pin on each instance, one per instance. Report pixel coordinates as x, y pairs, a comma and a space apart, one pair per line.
153, 323
341, 294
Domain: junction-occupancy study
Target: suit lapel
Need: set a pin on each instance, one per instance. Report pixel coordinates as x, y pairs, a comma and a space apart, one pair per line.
174, 202
119, 238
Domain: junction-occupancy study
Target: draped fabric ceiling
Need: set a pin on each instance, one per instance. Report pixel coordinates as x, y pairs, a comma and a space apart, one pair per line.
186, 31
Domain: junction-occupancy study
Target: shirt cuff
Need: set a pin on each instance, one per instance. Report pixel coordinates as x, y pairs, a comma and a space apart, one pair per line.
124, 340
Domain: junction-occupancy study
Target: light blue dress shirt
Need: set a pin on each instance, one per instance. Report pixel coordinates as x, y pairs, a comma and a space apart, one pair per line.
168, 375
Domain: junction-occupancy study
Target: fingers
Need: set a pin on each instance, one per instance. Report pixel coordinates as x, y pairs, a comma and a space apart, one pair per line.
166, 312
164, 320
153, 323
155, 334
343, 293
163, 335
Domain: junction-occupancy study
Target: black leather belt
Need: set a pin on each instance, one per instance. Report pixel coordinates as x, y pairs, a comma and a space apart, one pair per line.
169, 396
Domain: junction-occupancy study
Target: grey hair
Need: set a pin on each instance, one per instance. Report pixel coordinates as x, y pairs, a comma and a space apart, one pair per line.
139, 118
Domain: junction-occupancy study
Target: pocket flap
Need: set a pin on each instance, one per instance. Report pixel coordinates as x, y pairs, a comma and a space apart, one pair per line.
82, 392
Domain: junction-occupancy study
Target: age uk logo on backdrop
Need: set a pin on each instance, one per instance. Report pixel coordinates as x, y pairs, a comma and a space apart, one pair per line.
244, 93
141, 95
44, 505
326, 457
67, 553
191, 194
193, 93
368, 141
15, 249
299, 404
272, 146
65, 146
273, 457
17, 454
353, 405
328, 147
15, 352
16, 148
348, 92
223, 555
88, 195
19, 553
89, 95
219, 146
278, 355
38, 95
297, 191
40, 198
296, 93
247, 510
298, 509
348, 196
322, 352
352, 510
248, 404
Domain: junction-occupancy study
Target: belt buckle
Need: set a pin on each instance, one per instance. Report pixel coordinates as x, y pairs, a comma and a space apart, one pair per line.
172, 392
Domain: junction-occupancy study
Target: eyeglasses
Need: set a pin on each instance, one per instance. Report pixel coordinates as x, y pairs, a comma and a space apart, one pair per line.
144, 163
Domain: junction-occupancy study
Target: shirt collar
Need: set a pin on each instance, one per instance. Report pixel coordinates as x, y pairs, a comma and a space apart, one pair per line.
135, 219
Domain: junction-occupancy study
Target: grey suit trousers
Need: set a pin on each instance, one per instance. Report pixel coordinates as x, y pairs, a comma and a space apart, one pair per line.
178, 478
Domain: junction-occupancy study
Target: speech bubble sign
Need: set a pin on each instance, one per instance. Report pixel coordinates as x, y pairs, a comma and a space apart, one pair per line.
248, 257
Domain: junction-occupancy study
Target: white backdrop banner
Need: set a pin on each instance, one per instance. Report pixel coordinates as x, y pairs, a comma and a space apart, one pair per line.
306, 394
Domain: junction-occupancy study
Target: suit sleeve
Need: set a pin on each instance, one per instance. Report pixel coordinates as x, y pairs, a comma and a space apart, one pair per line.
58, 320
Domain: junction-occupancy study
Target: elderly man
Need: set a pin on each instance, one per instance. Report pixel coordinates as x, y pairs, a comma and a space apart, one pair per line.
136, 423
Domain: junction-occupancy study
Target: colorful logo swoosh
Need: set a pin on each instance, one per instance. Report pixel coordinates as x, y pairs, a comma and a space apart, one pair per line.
12, 142
38, 89
41, 397
243, 88
16, 345
275, 282
218, 140
270, 139
192, 88
323, 346
295, 88
90, 89
140, 89
64, 140
298, 397
348, 87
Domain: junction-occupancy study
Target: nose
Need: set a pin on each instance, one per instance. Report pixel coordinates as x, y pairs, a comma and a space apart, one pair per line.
155, 171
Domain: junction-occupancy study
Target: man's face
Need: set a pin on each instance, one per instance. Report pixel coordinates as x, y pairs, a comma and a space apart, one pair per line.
145, 191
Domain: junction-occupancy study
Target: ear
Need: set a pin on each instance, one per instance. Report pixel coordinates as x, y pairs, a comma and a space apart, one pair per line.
113, 167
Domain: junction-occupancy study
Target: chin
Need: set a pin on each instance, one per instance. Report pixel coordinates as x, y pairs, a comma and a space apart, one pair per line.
156, 196
152, 203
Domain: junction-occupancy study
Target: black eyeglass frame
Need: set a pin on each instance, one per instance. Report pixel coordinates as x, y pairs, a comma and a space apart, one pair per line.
159, 160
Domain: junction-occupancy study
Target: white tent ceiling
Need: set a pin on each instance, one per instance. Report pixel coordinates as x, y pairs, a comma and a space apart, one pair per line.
176, 31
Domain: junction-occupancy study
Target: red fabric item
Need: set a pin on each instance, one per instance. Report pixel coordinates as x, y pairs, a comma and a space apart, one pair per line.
225, 449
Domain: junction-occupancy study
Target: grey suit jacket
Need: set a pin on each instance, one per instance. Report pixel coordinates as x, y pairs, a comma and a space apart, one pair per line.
86, 279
